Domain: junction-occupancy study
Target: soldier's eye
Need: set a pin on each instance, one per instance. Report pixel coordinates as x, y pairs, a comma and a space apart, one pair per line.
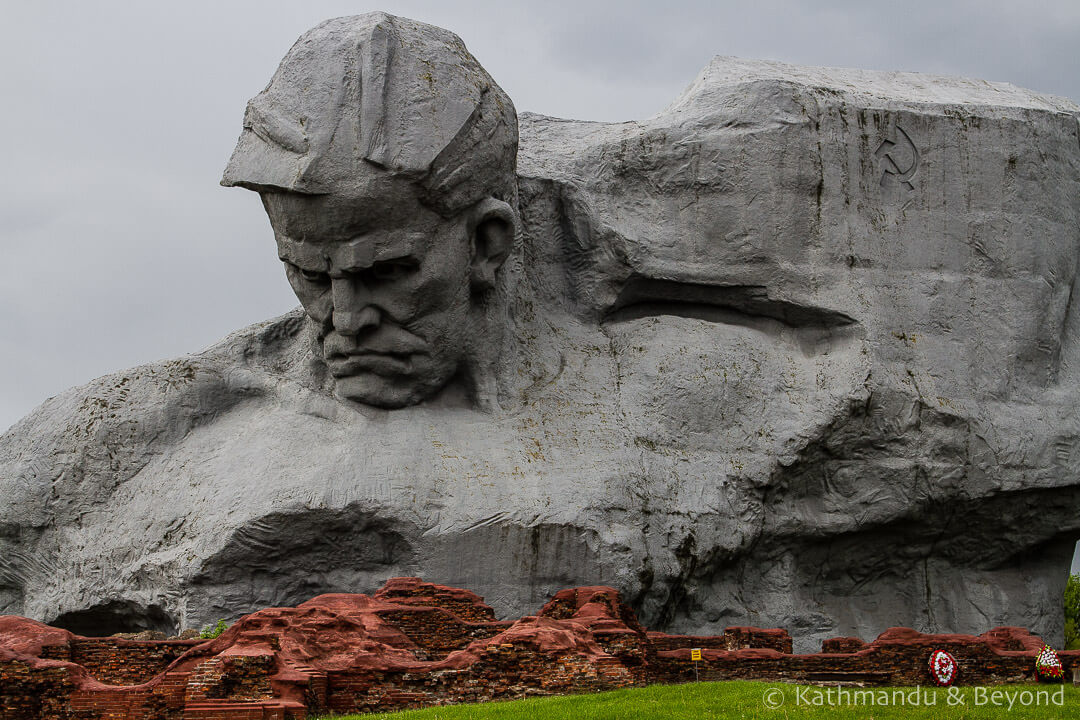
315, 277
392, 269
312, 276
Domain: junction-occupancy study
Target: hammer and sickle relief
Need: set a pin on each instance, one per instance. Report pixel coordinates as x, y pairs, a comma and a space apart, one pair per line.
887, 152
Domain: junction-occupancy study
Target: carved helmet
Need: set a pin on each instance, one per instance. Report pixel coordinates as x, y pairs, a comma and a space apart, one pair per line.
376, 91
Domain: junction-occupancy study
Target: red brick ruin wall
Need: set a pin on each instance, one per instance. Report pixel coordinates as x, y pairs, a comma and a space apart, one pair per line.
415, 644
114, 661
898, 664
734, 638
437, 634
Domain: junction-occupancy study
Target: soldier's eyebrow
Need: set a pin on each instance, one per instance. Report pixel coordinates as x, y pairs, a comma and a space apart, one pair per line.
365, 251
302, 255
410, 246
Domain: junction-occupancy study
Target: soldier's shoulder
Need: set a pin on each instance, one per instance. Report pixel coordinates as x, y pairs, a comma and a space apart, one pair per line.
149, 403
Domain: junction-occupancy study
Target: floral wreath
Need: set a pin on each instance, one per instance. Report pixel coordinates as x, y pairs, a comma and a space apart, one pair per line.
942, 668
1048, 665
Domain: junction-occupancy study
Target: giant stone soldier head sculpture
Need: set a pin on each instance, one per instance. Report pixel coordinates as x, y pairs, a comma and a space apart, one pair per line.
801, 350
385, 158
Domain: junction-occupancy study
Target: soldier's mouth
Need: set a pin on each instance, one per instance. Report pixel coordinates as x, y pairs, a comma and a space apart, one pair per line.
379, 363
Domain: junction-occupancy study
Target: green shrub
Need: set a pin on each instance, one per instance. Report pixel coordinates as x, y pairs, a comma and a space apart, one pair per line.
1072, 613
209, 632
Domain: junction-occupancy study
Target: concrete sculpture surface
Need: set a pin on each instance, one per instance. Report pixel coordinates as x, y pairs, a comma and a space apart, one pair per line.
799, 351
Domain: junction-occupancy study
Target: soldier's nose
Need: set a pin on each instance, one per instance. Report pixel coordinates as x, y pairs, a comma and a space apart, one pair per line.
353, 311
352, 322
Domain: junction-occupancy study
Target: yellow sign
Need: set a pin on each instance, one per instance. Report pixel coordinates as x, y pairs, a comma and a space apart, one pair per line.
695, 654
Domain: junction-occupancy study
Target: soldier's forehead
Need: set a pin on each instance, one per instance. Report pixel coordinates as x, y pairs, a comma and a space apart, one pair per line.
341, 217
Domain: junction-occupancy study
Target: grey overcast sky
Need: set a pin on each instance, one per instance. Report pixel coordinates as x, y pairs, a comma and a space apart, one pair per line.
120, 248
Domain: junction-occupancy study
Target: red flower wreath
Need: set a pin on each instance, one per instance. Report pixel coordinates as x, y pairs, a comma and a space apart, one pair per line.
1048, 665
942, 668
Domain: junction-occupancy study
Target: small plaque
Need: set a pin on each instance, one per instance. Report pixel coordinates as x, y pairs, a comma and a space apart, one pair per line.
695, 654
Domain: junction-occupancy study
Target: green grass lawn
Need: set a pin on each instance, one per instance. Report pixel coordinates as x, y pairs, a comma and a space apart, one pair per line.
748, 700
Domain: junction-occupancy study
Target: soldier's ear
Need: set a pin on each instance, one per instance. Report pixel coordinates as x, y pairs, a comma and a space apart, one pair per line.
493, 225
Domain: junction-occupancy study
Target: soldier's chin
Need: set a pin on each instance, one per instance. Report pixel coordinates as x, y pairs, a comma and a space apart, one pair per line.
384, 392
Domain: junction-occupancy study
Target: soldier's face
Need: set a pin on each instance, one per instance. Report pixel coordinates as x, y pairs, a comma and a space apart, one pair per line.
388, 282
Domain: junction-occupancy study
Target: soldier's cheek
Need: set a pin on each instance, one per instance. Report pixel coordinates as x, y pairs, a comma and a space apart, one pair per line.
318, 304
421, 298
